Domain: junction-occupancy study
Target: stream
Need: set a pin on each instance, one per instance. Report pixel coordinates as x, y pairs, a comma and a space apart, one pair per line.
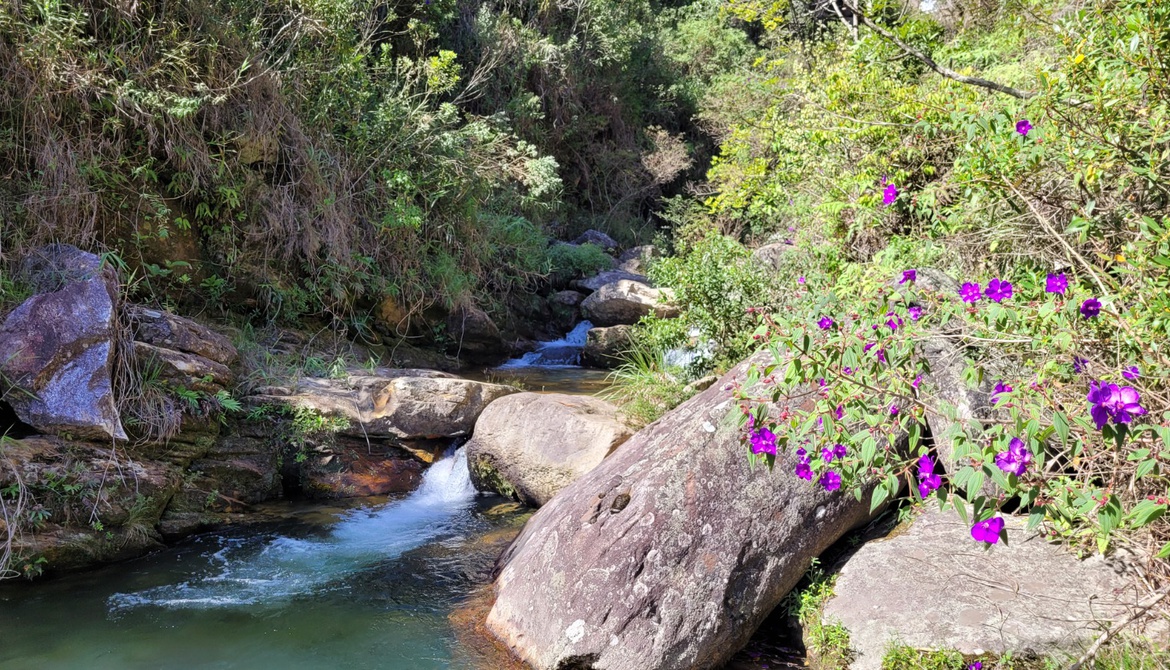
367, 583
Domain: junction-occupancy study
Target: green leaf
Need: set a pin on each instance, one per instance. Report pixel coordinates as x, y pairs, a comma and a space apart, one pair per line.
1035, 519
961, 509
1060, 423
1144, 468
1144, 512
879, 496
1164, 552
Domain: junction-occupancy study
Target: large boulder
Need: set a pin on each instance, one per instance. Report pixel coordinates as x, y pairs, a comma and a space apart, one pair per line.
531, 445
57, 348
625, 302
605, 347
167, 331
183, 370
1025, 596
397, 404
670, 553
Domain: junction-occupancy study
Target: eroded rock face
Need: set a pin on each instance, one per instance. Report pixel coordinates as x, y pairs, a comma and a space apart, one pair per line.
604, 347
669, 554
410, 405
637, 259
56, 348
624, 302
531, 445
165, 330
183, 370
1023, 596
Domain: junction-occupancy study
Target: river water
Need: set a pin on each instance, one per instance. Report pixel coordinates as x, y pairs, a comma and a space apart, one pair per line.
366, 587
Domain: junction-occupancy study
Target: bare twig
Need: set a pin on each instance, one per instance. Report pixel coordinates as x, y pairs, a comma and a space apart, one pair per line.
944, 71
1138, 611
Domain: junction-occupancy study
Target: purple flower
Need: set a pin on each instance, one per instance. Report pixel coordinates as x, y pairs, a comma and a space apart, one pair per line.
869, 346
1015, 460
840, 413
830, 480
987, 531
892, 324
801, 453
804, 471
915, 312
1090, 308
977, 665
927, 480
881, 355
821, 382
908, 276
998, 290
829, 453
825, 323
1131, 373
917, 381
1022, 127
1057, 284
1110, 401
1080, 364
893, 410
847, 370
1000, 388
763, 441
970, 292
889, 195
800, 279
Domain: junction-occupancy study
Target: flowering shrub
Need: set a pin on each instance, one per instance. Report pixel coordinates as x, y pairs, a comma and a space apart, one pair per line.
1064, 442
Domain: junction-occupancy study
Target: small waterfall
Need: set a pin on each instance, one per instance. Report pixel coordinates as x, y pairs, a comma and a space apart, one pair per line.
696, 349
266, 570
565, 352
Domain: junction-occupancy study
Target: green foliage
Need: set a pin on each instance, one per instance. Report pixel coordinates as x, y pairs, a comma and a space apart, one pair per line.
827, 643
645, 387
717, 283
567, 261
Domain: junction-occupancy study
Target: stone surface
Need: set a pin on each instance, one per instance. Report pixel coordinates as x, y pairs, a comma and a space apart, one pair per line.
598, 238
771, 255
637, 259
1025, 596
165, 330
409, 405
608, 277
625, 302
474, 334
358, 470
944, 386
531, 445
565, 307
670, 553
183, 370
604, 347
56, 348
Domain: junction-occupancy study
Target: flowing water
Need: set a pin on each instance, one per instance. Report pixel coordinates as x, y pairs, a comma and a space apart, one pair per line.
369, 587
554, 367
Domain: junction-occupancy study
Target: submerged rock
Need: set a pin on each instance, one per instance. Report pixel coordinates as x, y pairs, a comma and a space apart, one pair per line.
670, 553
1023, 596
531, 445
57, 348
625, 302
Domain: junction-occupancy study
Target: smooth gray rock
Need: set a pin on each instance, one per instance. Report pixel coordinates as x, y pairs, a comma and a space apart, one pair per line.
598, 238
670, 553
531, 445
637, 259
604, 347
625, 302
933, 587
56, 348
404, 407
608, 277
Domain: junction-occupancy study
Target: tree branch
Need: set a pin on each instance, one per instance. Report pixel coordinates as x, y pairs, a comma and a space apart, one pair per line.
944, 71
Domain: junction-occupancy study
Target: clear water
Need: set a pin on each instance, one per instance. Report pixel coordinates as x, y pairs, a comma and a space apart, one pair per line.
370, 587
